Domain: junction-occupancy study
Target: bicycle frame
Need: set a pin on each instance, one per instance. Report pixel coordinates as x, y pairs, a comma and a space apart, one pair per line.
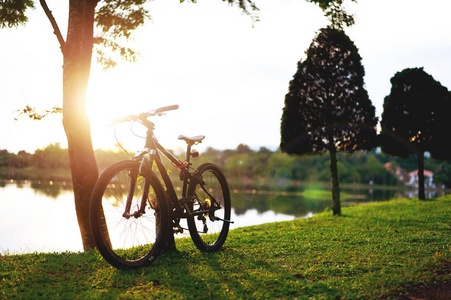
153, 148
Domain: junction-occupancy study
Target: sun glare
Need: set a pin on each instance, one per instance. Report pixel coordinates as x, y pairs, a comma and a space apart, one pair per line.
105, 106
102, 108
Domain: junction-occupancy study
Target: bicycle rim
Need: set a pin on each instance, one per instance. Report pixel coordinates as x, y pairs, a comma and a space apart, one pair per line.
209, 230
125, 237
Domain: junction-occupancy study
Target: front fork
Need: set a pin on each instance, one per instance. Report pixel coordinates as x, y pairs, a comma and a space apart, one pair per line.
144, 168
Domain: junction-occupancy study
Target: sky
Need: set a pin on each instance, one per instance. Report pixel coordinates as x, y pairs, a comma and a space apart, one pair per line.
228, 75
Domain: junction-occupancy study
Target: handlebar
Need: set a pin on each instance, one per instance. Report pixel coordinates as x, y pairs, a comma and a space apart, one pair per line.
166, 108
143, 116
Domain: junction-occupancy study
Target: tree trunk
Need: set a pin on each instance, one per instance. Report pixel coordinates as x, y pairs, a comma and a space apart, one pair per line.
169, 241
421, 194
77, 53
336, 206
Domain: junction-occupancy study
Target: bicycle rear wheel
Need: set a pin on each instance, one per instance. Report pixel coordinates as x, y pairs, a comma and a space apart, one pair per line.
127, 234
210, 224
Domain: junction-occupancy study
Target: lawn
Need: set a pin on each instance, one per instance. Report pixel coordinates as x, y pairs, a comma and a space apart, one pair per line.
371, 251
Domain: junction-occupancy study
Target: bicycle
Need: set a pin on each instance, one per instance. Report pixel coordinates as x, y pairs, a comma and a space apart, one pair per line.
134, 204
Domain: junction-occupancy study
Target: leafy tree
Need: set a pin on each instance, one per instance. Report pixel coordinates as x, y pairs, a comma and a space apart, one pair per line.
4, 158
106, 158
443, 174
22, 159
348, 172
52, 157
372, 170
243, 149
115, 19
335, 12
11, 160
280, 165
414, 119
260, 159
327, 107
239, 165
12, 12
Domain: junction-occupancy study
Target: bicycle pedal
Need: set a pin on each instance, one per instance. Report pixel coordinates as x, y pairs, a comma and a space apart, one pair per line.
177, 230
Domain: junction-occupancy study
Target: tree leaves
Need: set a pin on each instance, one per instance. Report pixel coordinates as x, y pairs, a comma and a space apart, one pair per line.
12, 12
415, 114
335, 12
102, 44
327, 107
33, 114
118, 18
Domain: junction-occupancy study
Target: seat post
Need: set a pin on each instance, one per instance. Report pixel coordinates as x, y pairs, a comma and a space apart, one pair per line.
188, 153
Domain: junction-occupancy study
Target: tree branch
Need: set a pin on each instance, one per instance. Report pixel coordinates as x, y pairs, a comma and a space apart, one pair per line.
52, 20
32, 114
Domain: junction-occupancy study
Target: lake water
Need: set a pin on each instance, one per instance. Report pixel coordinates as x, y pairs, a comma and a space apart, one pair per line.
41, 217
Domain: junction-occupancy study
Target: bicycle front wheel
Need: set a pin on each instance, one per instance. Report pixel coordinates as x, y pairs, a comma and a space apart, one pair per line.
128, 215
209, 224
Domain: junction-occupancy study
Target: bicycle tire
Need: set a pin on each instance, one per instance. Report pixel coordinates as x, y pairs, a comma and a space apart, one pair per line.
208, 233
134, 241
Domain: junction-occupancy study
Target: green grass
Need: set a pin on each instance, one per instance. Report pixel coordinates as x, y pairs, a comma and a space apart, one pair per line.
372, 251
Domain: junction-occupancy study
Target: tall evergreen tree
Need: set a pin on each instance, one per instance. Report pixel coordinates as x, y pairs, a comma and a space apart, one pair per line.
327, 107
416, 119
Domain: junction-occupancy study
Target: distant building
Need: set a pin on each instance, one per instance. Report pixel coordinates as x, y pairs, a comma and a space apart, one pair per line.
428, 179
411, 178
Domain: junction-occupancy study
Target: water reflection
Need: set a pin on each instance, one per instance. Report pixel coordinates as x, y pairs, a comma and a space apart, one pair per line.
34, 219
310, 199
47, 188
284, 203
299, 201
47, 220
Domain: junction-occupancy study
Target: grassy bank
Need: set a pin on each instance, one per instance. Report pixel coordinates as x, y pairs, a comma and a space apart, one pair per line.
372, 251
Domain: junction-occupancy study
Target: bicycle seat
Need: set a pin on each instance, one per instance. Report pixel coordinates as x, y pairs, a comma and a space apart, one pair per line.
191, 140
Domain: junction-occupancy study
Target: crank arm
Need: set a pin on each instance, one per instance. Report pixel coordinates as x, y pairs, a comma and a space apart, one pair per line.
228, 221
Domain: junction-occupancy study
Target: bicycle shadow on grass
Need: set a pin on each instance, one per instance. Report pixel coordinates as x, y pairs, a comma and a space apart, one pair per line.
230, 272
